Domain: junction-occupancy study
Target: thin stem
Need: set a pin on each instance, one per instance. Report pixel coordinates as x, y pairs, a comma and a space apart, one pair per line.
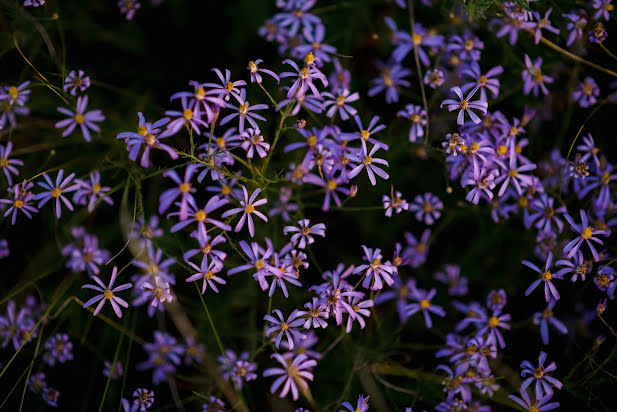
268, 94
602, 103
608, 51
214, 331
418, 68
575, 57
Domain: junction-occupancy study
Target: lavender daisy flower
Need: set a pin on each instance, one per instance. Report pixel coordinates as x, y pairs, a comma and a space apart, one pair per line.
339, 78
423, 299
418, 117
294, 373
283, 207
602, 8
390, 79
163, 356
15, 95
315, 315
238, 369
496, 300
513, 173
76, 81
305, 80
464, 105
493, 324
254, 69
214, 405
8, 165
201, 216
360, 309
285, 327
401, 292
366, 160
314, 38
598, 33
575, 26
302, 235
85, 120
56, 191
157, 291
467, 47
416, 251
184, 190
533, 77
33, 3
297, 15
457, 285
149, 135
50, 396
207, 271
605, 280
395, 203
427, 208
361, 406
89, 192
58, 348
539, 375
483, 81
543, 23
547, 317
483, 181
545, 276
590, 150
16, 326
37, 383
587, 234
253, 141
539, 405
248, 205
338, 102
244, 112
4, 248
545, 215
207, 246
190, 116
376, 271
113, 371
576, 266
107, 294
227, 88
365, 135
208, 105
586, 93
454, 143
144, 398
129, 8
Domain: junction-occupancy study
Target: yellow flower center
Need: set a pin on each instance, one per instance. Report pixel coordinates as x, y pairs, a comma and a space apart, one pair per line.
415, 118
185, 187
259, 264
96, 188
220, 142
249, 209
108, 294
587, 233
188, 114
4, 162
340, 100
284, 326
200, 216
209, 275
493, 321
309, 59
483, 80
56, 192
424, 304
142, 131
252, 67
13, 92
417, 39
512, 172
306, 231
18, 204
464, 104
546, 276
502, 150
229, 86
243, 109
365, 134
79, 118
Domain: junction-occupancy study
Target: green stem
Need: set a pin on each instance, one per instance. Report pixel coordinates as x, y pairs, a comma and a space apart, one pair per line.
575, 57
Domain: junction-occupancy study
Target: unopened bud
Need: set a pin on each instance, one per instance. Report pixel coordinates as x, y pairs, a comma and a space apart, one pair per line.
353, 191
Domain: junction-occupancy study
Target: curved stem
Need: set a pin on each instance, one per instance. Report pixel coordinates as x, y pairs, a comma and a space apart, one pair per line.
575, 57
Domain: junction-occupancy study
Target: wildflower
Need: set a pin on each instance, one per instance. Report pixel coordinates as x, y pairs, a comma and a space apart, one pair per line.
576, 24
37, 383
338, 103
50, 396
214, 405
248, 209
144, 398
244, 112
207, 245
376, 271
339, 78
296, 16
603, 9
149, 135
539, 405
547, 317
424, 304
465, 105
586, 93
89, 192
58, 348
227, 88
579, 168
483, 81
316, 311
306, 78
153, 265
434, 78
15, 95
467, 47
427, 208
577, 266
8, 165
239, 369
85, 120
545, 276
366, 160
361, 406
207, 104
492, 326
207, 272
587, 234
113, 371
253, 141
184, 190
201, 216
282, 206
394, 203
365, 135
545, 215
293, 373
539, 375
542, 23
605, 279
451, 276
417, 250
454, 143
418, 117
56, 191
533, 77
513, 173
254, 69
303, 235
76, 81
360, 309
158, 291
285, 327
496, 300
390, 79
314, 43
129, 8
108, 294
164, 354
34, 3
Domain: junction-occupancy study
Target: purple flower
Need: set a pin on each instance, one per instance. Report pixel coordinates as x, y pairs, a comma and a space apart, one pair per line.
493, 324
376, 271
586, 234
254, 69
577, 266
227, 88
201, 216
58, 348
512, 173
390, 79
214, 405
416, 251
464, 105
544, 318
163, 356
602, 9
184, 190
285, 327
427, 208
56, 191
587, 92
365, 135
313, 42
361, 406
16, 326
496, 300
338, 103
360, 310
545, 215
203, 100
482, 81
434, 78
305, 80
575, 26
37, 383
4, 248
295, 371
113, 371
85, 120
302, 235
316, 311
283, 207
15, 95
89, 192
253, 141
533, 77
539, 375
542, 23
149, 135
457, 285
244, 112
467, 47
108, 293
239, 369
545, 276
76, 81
157, 291
366, 160
417, 116
395, 203
8, 165
190, 116
207, 272
50, 396
539, 405
129, 8
144, 398
248, 209
84, 253
423, 303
